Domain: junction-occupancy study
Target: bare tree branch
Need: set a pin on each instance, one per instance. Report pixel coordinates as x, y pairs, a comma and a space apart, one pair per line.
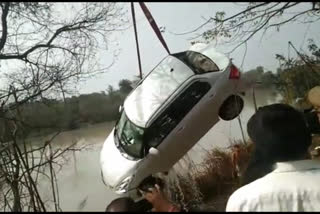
47, 54
4, 15
243, 25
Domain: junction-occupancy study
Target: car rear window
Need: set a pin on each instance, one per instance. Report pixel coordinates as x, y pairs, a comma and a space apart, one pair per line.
198, 62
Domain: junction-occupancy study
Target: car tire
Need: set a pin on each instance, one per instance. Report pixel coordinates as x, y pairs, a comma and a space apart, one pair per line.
231, 107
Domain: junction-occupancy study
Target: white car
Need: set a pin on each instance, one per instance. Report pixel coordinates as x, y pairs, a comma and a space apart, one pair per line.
167, 113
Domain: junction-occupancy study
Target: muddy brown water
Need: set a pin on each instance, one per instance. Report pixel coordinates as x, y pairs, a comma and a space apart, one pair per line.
79, 181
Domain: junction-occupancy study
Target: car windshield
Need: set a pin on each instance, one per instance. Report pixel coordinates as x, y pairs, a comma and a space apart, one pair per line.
155, 89
130, 136
198, 62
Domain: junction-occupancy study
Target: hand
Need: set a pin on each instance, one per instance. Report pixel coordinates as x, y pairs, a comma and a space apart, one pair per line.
153, 195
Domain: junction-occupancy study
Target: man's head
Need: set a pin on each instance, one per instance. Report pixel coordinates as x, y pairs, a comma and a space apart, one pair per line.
279, 132
124, 204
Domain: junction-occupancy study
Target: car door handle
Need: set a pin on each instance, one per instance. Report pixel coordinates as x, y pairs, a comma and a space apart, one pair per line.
180, 129
212, 95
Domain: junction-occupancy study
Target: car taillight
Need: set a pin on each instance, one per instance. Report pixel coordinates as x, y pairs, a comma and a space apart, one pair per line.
234, 72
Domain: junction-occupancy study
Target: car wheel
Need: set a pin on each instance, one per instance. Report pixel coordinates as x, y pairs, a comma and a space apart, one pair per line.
231, 107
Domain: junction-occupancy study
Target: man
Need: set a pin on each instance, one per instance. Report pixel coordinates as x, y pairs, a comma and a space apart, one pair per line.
279, 177
124, 204
314, 99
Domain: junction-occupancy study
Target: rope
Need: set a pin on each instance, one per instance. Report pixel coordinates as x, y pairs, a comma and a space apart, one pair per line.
242, 133
253, 91
153, 24
237, 103
240, 123
136, 38
254, 99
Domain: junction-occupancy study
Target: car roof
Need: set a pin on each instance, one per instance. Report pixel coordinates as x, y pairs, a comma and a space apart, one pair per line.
145, 100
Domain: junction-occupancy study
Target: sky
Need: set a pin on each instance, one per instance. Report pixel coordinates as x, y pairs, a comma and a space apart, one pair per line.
182, 17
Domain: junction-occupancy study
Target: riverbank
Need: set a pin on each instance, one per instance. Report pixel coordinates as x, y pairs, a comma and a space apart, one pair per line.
215, 178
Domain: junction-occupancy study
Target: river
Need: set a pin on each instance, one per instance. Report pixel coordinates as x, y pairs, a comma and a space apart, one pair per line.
79, 181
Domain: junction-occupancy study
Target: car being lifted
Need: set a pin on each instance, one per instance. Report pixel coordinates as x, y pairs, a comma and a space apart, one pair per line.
167, 114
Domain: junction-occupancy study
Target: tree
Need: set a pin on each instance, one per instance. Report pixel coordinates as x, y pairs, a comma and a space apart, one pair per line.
255, 17
125, 86
296, 76
110, 91
45, 48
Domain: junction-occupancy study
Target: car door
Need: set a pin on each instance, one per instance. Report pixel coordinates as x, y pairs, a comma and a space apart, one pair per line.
173, 132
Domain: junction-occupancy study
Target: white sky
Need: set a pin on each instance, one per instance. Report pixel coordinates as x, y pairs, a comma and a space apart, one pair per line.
181, 17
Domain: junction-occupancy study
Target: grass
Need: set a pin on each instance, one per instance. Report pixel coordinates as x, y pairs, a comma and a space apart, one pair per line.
212, 182
216, 179
184, 192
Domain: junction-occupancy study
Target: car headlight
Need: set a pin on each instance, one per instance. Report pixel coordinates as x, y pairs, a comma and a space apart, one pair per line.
123, 186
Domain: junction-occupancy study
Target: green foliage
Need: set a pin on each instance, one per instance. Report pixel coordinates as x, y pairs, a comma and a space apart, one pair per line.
242, 25
297, 81
297, 76
125, 86
47, 115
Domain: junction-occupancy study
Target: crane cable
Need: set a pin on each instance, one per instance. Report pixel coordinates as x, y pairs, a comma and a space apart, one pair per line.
136, 38
154, 26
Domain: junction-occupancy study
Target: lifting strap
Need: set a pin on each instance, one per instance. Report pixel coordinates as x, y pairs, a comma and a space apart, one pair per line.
153, 24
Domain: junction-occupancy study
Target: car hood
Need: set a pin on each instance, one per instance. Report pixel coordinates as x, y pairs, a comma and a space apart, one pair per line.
114, 166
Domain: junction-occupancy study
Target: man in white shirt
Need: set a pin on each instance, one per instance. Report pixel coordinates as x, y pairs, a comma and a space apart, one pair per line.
280, 177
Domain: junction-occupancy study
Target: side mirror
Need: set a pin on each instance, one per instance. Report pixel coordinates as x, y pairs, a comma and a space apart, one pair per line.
153, 151
120, 108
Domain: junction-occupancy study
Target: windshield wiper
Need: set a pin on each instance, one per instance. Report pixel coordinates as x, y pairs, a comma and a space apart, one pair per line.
117, 140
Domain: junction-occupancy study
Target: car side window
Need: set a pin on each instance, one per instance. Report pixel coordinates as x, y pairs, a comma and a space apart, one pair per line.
178, 109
